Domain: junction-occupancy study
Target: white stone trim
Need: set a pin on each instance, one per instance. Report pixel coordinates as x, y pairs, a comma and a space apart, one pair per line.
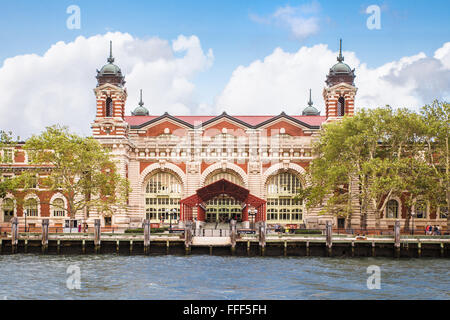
163, 167
57, 195
32, 196
280, 167
221, 166
8, 196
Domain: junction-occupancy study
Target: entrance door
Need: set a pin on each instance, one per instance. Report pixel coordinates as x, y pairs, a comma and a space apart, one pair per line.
224, 214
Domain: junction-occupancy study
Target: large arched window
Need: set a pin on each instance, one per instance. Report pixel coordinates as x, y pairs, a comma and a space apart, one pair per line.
8, 209
392, 209
109, 107
31, 207
58, 208
223, 208
163, 192
282, 207
421, 209
341, 107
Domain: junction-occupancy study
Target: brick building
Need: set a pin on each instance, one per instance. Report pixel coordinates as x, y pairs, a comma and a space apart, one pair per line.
170, 159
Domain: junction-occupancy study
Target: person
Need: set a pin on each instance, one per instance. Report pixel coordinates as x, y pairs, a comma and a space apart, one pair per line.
79, 227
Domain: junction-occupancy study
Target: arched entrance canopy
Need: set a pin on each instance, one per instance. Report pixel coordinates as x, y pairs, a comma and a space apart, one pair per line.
222, 187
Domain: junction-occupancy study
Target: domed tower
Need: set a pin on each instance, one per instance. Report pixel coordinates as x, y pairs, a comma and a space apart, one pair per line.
310, 110
141, 110
340, 92
111, 97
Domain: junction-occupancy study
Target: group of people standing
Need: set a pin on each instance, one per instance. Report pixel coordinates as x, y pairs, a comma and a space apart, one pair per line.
430, 230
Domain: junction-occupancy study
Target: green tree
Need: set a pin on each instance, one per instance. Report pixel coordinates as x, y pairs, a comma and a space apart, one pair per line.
80, 168
436, 119
7, 151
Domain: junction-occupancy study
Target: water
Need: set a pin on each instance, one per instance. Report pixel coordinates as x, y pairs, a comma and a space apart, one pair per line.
29, 276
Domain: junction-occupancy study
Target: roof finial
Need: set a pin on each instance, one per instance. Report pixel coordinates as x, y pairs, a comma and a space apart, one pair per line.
340, 58
111, 58
141, 103
310, 103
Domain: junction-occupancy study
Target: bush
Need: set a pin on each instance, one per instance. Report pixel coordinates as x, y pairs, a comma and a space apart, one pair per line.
141, 230
306, 231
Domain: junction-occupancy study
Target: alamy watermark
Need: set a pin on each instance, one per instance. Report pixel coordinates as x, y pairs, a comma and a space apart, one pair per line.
374, 280
74, 20
73, 282
374, 21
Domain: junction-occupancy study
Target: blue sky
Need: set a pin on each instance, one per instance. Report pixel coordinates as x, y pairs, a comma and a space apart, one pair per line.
231, 30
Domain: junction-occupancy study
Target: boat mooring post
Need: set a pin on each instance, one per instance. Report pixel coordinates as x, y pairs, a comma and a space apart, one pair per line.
233, 236
329, 233
97, 234
262, 237
397, 238
44, 242
14, 234
146, 226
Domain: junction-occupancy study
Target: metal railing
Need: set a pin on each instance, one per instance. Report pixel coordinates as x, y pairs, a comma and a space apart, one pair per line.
211, 233
53, 229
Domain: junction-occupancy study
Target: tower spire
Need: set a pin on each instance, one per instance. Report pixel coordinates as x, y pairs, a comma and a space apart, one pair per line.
141, 103
340, 57
111, 58
310, 103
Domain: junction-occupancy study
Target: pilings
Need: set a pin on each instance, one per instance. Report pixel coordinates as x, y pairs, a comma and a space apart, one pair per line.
146, 226
329, 233
44, 240
262, 237
233, 236
188, 236
14, 234
397, 238
97, 234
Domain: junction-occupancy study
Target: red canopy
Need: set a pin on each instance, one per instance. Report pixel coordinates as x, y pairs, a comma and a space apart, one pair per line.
222, 187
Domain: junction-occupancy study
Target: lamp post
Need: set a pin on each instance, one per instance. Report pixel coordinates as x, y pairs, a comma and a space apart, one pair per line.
171, 215
412, 222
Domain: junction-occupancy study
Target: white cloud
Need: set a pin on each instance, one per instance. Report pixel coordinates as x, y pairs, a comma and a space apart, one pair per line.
281, 81
302, 21
38, 91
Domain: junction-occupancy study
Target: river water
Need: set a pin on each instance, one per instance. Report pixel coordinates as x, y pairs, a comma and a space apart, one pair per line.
29, 276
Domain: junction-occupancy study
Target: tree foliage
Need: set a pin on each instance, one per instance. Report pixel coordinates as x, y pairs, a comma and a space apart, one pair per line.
378, 154
79, 168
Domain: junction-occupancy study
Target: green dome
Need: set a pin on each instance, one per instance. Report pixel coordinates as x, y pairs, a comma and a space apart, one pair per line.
141, 110
310, 110
110, 69
341, 68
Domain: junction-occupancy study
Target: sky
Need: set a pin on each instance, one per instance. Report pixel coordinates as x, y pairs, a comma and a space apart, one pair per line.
206, 57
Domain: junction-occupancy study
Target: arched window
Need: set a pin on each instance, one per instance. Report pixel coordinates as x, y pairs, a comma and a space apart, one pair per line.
109, 107
162, 197
228, 175
31, 208
281, 189
392, 209
341, 107
58, 208
8, 210
421, 209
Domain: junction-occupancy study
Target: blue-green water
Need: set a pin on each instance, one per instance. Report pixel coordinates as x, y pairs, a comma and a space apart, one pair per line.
28, 276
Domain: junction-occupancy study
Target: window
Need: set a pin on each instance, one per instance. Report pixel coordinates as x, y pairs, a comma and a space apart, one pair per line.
163, 194
31, 208
58, 208
421, 209
8, 210
341, 107
108, 221
7, 156
443, 212
281, 205
109, 107
392, 209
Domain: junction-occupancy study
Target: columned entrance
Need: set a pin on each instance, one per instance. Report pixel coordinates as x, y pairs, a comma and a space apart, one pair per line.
221, 201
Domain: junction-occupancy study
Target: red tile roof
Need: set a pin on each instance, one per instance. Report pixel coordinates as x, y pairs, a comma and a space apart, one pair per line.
251, 120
